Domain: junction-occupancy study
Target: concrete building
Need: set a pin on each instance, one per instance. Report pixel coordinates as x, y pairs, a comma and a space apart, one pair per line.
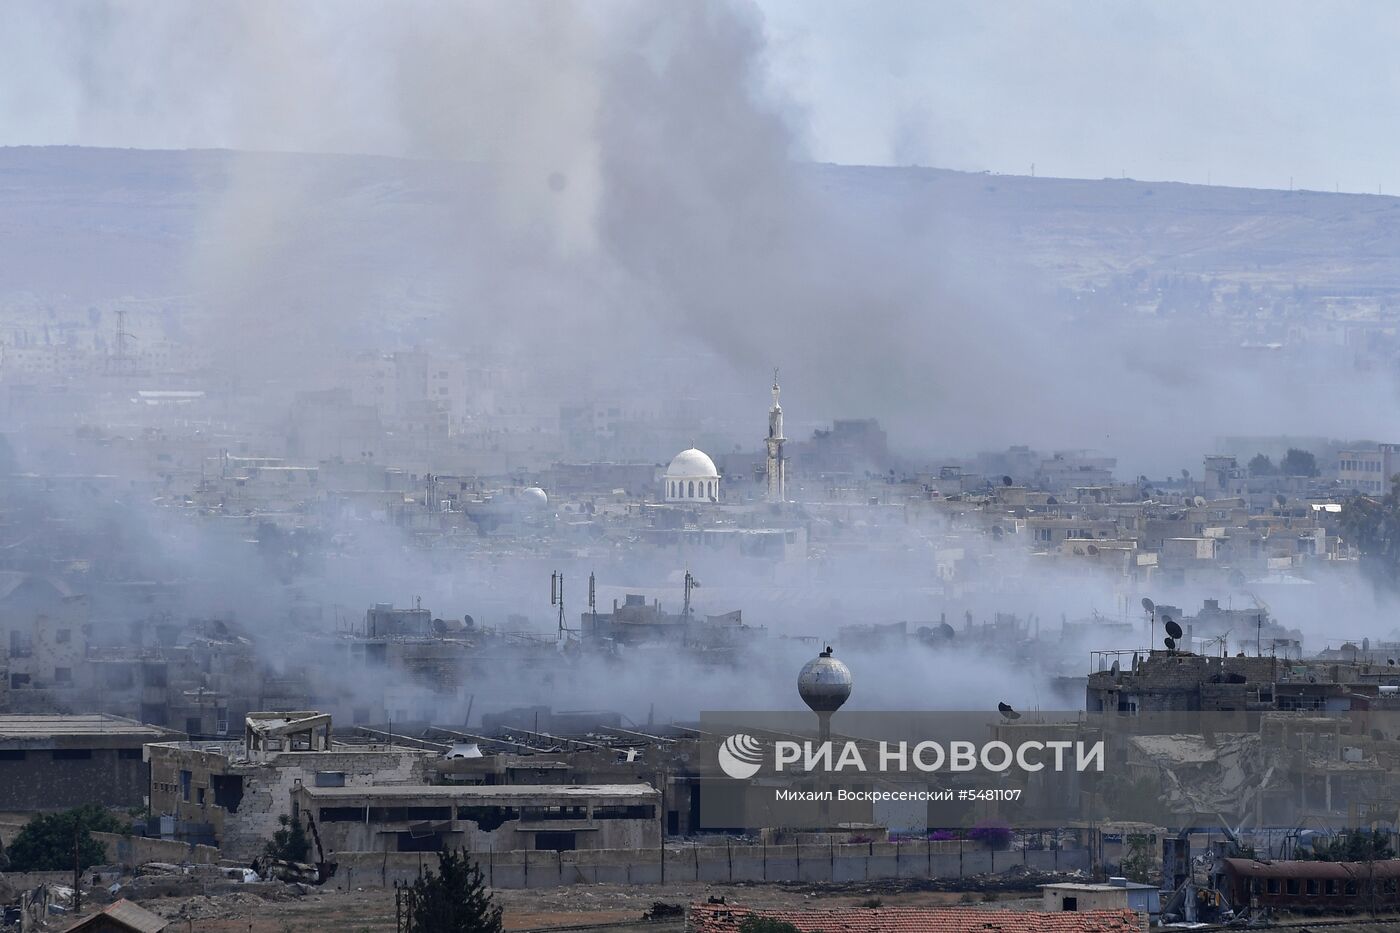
502, 818
58, 762
1368, 471
1224, 477
1117, 894
231, 794
43, 640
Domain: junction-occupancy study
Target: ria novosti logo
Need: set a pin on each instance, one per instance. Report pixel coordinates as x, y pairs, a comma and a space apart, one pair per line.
740, 756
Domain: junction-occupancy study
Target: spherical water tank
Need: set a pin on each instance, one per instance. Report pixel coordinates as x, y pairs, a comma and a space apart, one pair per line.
824, 683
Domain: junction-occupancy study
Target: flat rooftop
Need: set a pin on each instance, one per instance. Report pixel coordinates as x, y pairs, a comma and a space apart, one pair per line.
1098, 886
487, 791
13, 727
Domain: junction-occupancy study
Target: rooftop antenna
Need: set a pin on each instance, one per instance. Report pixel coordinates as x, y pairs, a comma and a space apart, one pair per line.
122, 335
593, 599
690, 584
556, 598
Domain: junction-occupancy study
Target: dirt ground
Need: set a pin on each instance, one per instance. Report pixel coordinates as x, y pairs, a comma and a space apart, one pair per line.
372, 910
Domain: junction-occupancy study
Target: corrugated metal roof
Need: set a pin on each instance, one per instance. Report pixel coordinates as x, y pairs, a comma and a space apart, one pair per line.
1309, 868
722, 918
132, 916
485, 791
40, 727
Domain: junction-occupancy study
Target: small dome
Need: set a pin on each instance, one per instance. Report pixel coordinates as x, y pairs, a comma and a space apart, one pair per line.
693, 464
534, 495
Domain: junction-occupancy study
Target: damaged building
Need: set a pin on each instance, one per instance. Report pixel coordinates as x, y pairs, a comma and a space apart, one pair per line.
232, 794
424, 818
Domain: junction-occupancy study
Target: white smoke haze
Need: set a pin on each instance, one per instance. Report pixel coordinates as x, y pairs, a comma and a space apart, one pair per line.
591, 182
591, 193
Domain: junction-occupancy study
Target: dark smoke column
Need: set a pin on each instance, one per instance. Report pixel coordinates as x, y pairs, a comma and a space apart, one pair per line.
824, 685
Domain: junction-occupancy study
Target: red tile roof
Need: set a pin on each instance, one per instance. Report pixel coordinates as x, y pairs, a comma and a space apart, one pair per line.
725, 918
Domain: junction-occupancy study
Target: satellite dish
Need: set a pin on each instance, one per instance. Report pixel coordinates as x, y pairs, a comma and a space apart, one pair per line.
1148, 605
1114, 668
1093, 549
1006, 481
1170, 643
1007, 711
1173, 629
1199, 501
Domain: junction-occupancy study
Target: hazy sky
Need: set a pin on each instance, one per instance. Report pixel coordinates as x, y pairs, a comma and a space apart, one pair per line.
1245, 93
1240, 93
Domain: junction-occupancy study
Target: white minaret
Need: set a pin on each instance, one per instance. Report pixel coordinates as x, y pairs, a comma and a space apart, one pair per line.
777, 463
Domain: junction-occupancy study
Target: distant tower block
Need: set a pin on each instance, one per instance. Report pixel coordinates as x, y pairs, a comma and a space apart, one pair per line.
777, 462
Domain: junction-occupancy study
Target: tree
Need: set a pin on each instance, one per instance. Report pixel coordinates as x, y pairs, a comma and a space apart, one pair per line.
1138, 864
1262, 466
454, 900
1358, 845
1298, 463
46, 842
1373, 527
756, 923
289, 844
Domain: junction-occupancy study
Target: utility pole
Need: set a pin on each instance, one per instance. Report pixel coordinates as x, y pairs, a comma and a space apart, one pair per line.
77, 889
122, 335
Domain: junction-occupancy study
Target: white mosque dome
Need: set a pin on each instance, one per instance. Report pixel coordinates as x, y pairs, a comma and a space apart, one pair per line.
692, 464
691, 478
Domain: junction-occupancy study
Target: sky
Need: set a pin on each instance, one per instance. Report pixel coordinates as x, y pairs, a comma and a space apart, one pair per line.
1240, 93
1243, 93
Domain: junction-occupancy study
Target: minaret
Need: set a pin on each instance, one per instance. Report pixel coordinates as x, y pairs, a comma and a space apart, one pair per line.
777, 463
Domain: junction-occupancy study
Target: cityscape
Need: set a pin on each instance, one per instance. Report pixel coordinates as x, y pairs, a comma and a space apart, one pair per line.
557, 466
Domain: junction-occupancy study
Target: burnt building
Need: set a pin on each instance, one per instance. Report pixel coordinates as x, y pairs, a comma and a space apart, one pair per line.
424, 818
1178, 681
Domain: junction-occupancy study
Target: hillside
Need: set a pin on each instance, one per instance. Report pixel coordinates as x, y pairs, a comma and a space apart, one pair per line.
96, 223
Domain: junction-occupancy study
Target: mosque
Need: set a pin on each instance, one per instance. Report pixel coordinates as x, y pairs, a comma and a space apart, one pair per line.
692, 477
